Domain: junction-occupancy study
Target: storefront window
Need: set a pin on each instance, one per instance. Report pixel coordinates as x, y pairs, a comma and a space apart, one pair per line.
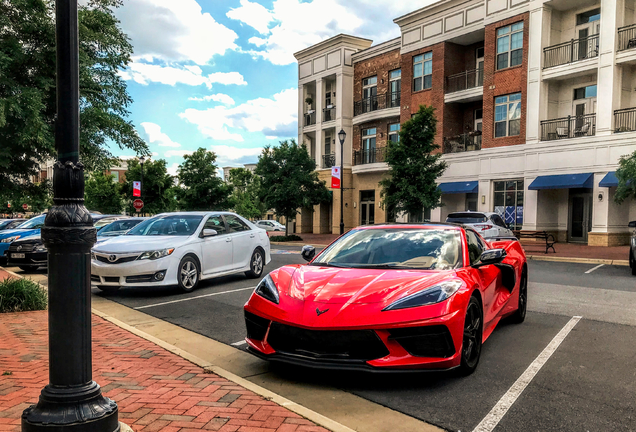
509, 202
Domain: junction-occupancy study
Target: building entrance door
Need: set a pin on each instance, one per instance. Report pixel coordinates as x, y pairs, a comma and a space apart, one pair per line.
580, 217
367, 207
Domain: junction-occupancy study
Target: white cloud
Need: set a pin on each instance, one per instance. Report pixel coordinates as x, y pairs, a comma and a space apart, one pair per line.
144, 73
170, 30
155, 136
227, 155
273, 117
179, 153
172, 169
252, 14
220, 97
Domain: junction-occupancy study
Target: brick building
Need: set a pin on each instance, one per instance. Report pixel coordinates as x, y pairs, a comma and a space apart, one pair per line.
535, 102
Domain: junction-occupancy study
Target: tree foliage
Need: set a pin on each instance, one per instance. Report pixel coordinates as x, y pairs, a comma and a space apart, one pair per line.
38, 196
413, 168
289, 179
158, 190
626, 175
201, 187
245, 198
28, 87
102, 193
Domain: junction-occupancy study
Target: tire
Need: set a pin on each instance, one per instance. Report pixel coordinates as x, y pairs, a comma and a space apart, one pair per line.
108, 289
188, 274
520, 315
257, 265
472, 339
632, 263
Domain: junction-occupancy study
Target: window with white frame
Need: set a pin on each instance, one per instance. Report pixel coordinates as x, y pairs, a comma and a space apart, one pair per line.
508, 115
115, 175
510, 45
368, 145
423, 71
369, 94
394, 132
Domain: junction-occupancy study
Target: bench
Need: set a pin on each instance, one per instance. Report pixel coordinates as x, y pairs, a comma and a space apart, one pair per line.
538, 235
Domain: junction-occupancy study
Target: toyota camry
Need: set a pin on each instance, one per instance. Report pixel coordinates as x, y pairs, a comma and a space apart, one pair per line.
390, 297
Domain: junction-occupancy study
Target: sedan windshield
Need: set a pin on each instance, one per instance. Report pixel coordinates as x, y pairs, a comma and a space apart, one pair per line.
421, 249
36, 222
118, 227
175, 225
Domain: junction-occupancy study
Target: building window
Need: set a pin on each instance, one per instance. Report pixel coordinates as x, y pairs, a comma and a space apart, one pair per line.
423, 71
509, 202
368, 145
424, 216
115, 175
508, 115
588, 17
369, 94
585, 92
394, 132
509, 45
395, 88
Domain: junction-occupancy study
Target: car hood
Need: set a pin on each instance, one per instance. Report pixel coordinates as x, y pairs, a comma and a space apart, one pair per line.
36, 238
21, 232
126, 243
328, 285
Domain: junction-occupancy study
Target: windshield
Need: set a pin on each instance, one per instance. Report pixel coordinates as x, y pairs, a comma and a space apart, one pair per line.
421, 249
118, 227
36, 222
467, 218
181, 225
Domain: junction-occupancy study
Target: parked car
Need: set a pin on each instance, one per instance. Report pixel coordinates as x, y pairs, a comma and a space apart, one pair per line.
181, 249
632, 248
389, 297
7, 224
270, 225
488, 225
100, 221
117, 228
28, 228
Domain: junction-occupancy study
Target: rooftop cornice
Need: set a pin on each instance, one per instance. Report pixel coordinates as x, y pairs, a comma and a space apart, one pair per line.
341, 39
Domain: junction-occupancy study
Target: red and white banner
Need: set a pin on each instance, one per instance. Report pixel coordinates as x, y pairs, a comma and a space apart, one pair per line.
335, 177
136, 189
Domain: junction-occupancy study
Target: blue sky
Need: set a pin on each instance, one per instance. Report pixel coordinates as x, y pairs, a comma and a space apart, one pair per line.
220, 74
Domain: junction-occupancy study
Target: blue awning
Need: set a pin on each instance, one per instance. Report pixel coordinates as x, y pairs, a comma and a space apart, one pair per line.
563, 181
609, 180
459, 187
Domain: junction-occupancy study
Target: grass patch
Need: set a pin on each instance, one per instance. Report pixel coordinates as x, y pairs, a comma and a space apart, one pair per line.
20, 295
288, 238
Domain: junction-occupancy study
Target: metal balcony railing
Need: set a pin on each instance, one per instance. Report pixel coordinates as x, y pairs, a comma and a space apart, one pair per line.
568, 127
627, 37
310, 119
329, 114
328, 160
376, 102
465, 80
462, 143
625, 120
570, 52
369, 156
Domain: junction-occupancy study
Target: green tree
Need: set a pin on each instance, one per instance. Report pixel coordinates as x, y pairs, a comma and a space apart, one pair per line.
245, 193
626, 175
201, 187
289, 179
102, 194
158, 190
38, 196
27, 86
413, 168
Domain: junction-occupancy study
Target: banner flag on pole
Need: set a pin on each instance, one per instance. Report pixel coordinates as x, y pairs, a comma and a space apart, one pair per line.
136, 189
335, 177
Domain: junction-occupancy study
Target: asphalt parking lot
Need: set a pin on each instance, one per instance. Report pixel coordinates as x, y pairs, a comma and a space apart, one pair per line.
586, 383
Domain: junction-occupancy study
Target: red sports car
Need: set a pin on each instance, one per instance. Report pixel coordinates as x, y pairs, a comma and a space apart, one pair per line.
390, 297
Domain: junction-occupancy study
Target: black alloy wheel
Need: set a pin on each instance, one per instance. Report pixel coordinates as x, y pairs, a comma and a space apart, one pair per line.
520, 315
472, 341
257, 264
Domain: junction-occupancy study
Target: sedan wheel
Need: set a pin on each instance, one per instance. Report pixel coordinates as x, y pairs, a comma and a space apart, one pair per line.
188, 274
471, 345
520, 315
257, 264
632, 264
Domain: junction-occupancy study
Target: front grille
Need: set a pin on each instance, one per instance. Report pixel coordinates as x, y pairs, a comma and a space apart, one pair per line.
426, 341
25, 247
95, 278
256, 326
111, 279
104, 259
344, 345
140, 278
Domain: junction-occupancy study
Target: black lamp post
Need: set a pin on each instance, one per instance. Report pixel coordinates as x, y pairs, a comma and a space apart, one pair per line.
72, 401
141, 183
341, 136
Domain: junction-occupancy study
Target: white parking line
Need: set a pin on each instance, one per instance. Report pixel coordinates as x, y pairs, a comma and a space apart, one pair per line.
498, 411
239, 343
194, 298
595, 268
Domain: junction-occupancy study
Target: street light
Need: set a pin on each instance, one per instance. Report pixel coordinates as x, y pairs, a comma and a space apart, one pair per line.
71, 401
341, 136
141, 185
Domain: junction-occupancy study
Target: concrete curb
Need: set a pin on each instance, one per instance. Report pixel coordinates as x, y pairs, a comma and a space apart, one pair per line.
310, 415
578, 260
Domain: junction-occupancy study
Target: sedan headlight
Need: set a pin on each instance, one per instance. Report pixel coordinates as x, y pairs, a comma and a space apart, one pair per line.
156, 254
39, 248
267, 289
10, 239
435, 294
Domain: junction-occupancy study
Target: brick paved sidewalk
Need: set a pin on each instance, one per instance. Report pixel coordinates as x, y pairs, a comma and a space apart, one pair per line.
154, 389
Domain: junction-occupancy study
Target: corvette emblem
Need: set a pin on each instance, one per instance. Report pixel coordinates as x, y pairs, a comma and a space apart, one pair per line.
319, 312
112, 258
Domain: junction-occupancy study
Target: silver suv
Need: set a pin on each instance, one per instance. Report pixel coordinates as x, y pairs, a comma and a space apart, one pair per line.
489, 225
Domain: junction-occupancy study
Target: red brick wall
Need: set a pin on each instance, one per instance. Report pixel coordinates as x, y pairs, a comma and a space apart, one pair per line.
382, 132
379, 66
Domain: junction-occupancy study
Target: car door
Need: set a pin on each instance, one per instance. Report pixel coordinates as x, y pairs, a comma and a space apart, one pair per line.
243, 241
216, 250
487, 275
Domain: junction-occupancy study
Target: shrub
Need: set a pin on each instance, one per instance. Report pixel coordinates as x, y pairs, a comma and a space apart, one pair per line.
288, 238
19, 295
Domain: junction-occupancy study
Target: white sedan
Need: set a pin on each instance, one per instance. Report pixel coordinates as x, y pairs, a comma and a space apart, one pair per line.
181, 249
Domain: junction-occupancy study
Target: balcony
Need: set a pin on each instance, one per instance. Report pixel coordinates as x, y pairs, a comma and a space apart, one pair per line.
462, 143
329, 114
627, 37
625, 120
570, 52
376, 102
568, 127
465, 80
310, 119
328, 160
369, 156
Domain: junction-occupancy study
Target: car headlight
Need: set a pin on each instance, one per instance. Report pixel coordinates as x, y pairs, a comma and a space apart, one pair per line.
435, 294
93, 255
156, 254
267, 289
10, 239
39, 248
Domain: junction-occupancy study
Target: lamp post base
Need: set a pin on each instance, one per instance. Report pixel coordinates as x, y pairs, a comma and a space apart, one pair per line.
341, 228
72, 409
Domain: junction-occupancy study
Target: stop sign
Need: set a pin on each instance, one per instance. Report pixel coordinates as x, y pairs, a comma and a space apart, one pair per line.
138, 204
25, 206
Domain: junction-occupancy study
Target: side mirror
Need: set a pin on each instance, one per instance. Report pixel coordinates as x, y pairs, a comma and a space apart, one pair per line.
308, 252
632, 224
491, 256
209, 232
